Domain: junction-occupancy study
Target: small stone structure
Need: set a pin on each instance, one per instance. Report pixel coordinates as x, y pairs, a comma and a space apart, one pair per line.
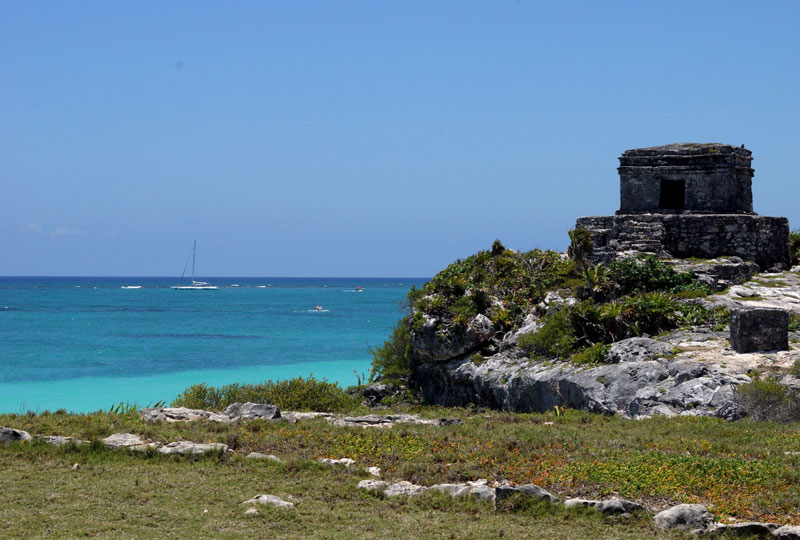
689, 200
759, 329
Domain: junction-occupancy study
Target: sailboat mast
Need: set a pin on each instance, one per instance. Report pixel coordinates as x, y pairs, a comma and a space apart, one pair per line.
194, 250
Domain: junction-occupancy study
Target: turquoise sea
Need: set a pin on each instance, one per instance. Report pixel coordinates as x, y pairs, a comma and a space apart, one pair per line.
86, 343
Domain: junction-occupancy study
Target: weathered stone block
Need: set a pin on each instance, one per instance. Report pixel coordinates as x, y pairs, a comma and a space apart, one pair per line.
759, 329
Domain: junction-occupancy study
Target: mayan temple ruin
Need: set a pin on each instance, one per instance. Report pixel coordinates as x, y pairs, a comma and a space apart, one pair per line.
689, 200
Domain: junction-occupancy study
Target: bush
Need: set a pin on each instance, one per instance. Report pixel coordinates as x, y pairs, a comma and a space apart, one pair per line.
794, 322
292, 394
390, 360
794, 246
500, 283
768, 399
555, 339
649, 274
592, 356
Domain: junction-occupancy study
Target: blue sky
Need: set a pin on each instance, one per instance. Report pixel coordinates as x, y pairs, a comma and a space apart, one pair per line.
322, 138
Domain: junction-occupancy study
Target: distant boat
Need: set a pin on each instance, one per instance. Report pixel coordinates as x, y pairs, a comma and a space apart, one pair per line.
359, 288
318, 308
131, 287
195, 285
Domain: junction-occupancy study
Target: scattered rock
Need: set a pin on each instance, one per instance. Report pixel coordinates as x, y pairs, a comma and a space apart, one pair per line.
685, 516
343, 461
787, 533
609, 506
374, 471
179, 414
403, 488
270, 500
478, 489
251, 512
748, 529
530, 490
258, 455
388, 420
372, 485
123, 440
8, 435
187, 448
250, 411
59, 440
392, 490
294, 416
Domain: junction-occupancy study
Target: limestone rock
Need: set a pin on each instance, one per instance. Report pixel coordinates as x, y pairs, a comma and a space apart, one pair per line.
478, 489
258, 455
251, 512
637, 349
609, 506
123, 440
179, 414
270, 500
685, 516
188, 448
343, 461
403, 488
295, 416
374, 471
13, 435
249, 411
787, 533
748, 529
372, 485
387, 420
437, 341
530, 490
58, 440
392, 489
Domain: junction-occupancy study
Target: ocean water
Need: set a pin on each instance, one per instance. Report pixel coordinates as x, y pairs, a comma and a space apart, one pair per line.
87, 343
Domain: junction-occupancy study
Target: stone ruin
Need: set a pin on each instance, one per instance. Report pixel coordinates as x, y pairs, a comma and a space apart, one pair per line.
689, 200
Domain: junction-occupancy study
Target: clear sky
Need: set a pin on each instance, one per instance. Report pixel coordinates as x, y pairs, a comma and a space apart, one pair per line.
374, 138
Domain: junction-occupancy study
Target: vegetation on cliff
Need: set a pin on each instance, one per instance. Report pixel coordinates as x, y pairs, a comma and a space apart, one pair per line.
626, 298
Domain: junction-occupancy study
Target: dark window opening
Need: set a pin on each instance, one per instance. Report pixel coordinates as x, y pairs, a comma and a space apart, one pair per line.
673, 194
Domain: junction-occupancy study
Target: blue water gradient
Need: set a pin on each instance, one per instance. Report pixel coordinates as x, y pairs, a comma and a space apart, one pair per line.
85, 343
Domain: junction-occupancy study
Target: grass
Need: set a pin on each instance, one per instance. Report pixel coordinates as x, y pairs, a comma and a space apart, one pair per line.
738, 469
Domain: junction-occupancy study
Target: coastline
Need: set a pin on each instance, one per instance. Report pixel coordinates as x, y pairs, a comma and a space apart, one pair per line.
99, 393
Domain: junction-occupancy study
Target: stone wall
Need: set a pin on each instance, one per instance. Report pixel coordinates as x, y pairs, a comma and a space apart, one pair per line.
763, 240
686, 177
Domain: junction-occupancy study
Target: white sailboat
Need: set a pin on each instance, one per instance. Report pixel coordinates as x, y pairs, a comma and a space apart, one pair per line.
195, 285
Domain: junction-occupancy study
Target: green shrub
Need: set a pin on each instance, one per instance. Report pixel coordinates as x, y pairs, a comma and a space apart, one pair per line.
390, 360
471, 286
795, 369
794, 322
768, 399
593, 355
555, 339
648, 274
293, 394
794, 246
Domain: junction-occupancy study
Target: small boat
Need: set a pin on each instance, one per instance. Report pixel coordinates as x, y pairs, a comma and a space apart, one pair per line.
195, 285
359, 288
131, 287
318, 308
